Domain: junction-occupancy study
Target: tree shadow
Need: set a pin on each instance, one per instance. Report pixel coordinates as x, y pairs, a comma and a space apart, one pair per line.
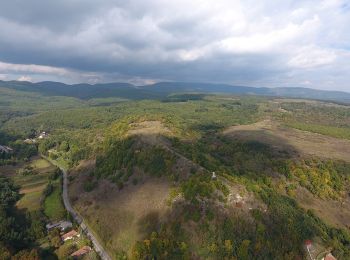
149, 223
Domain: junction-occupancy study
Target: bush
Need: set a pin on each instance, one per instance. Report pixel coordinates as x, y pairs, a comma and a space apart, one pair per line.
48, 190
54, 175
89, 185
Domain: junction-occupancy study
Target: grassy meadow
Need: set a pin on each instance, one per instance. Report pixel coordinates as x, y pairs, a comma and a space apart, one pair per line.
53, 205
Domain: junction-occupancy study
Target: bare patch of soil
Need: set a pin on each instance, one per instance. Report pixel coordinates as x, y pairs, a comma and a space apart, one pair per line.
240, 199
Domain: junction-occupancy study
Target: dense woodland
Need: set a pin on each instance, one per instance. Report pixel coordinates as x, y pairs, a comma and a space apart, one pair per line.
97, 128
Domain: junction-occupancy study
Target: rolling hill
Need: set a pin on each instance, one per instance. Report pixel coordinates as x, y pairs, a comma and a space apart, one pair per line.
163, 89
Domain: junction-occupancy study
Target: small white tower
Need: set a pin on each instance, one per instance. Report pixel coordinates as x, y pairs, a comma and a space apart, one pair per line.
213, 176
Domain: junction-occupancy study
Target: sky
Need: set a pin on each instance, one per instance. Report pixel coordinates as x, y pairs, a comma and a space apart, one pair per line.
255, 43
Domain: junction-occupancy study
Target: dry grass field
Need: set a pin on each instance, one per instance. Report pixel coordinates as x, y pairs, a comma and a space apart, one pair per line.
301, 142
335, 213
121, 217
150, 132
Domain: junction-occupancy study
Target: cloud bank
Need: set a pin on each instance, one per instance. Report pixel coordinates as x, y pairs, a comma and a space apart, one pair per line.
257, 43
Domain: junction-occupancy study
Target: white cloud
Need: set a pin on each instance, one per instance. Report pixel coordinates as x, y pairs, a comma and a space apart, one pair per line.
306, 82
40, 69
25, 78
312, 56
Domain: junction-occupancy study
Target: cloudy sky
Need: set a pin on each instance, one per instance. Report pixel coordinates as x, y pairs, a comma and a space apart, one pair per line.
248, 42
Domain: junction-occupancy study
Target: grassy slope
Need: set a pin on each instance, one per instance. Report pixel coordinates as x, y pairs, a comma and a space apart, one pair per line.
53, 205
32, 186
337, 132
317, 117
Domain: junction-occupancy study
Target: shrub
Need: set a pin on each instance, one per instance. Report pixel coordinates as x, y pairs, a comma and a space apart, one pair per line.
89, 185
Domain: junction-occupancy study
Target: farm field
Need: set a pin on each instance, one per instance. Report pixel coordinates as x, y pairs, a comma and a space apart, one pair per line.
31, 185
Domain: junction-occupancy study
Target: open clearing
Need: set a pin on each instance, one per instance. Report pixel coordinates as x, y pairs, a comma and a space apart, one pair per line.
148, 127
40, 164
121, 217
301, 142
150, 132
53, 205
336, 213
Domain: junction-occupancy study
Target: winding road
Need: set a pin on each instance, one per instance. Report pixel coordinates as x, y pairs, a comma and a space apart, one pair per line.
97, 246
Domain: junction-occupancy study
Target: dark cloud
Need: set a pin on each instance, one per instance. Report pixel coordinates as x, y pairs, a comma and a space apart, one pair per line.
246, 42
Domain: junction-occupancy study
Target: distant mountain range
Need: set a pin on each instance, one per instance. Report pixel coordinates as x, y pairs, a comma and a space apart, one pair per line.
163, 89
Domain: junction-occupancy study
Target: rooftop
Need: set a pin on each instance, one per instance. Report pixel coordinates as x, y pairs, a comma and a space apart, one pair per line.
61, 224
5, 149
69, 235
82, 251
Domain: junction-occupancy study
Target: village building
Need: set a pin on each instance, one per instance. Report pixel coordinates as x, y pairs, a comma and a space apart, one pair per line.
30, 141
329, 256
82, 251
70, 235
62, 225
5, 149
43, 135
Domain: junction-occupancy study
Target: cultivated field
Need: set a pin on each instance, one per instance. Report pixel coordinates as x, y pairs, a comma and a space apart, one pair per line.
33, 185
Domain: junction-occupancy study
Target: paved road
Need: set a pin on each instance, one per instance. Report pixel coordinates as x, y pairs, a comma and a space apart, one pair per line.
97, 246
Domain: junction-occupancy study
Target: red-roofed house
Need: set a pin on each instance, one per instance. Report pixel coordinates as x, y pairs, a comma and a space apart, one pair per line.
70, 235
82, 251
329, 256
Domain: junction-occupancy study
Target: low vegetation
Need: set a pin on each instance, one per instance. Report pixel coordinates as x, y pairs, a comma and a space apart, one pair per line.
53, 205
